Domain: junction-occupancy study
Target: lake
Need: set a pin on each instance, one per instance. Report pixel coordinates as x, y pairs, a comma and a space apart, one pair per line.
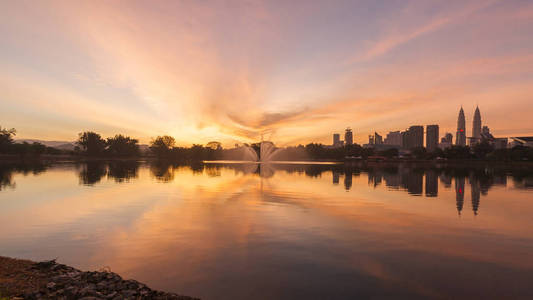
279, 231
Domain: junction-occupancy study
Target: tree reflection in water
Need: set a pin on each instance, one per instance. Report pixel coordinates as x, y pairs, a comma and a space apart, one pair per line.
401, 177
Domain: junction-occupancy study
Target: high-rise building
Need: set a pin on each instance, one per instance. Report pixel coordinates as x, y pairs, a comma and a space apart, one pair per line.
476, 126
378, 139
415, 137
348, 137
460, 137
393, 138
336, 140
405, 139
432, 137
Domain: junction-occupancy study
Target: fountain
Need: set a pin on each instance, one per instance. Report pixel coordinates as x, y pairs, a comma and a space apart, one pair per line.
267, 152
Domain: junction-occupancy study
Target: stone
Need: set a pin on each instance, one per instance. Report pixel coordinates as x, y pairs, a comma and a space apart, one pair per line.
51, 285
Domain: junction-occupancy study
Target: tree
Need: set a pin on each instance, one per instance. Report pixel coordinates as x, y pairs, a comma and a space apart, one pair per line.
197, 152
6, 139
457, 152
393, 152
162, 145
120, 145
482, 149
91, 143
419, 152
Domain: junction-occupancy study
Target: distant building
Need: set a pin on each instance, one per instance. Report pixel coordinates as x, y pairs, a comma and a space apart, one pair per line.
393, 138
446, 141
485, 131
476, 128
371, 140
405, 139
432, 137
348, 137
414, 137
523, 141
336, 140
500, 143
460, 137
378, 139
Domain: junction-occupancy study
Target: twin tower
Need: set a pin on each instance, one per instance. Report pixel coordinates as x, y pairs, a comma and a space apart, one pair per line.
460, 137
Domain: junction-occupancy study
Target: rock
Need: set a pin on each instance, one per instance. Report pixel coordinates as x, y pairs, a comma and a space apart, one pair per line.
71, 291
112, 295
129, 293
51, 285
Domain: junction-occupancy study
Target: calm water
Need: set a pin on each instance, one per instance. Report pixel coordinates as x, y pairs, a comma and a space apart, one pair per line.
234, 231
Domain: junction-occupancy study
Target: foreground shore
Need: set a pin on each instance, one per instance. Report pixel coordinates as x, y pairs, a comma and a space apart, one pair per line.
24, 279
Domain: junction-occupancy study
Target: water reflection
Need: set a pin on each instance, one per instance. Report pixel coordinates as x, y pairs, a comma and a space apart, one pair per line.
8, 169
279, 231
402, 177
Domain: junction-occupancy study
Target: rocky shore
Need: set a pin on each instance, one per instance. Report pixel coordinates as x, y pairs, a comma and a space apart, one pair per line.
23, 279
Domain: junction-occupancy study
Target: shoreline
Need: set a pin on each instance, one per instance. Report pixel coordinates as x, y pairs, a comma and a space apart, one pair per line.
25, 279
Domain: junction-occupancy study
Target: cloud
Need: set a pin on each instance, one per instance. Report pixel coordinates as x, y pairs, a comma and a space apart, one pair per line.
399, 36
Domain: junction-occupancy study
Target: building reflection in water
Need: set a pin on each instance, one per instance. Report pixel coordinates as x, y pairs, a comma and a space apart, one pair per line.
336, 176
459, 193
432, 184
395, 177
348, 179
475, 193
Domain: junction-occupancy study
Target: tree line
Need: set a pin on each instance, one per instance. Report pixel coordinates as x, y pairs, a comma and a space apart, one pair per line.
92, 144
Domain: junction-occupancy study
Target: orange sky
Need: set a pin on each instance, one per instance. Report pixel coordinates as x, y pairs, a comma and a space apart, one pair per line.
231, 70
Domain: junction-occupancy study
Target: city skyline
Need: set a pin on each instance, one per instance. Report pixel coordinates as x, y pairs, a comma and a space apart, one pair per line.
231, 71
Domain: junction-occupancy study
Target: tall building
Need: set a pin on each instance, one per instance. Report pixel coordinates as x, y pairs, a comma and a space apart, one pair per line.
405, 139
414, 137
432, 137
336, 140
348, 137
393, 138
460, 137
378, 139
476, 126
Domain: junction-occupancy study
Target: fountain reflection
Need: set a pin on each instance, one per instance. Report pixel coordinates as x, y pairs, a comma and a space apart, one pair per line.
409, 178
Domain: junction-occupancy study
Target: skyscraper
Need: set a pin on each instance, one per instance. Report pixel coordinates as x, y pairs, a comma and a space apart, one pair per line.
378, 139
460, 137
476, 127
415, 137
432, 137
348, 137
336, 140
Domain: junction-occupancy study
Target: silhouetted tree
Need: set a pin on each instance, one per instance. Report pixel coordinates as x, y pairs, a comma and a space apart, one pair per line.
482, 149
6, 139
92, 172
419, 152
161, 146
91, 143
390, 153
457, 152
120, 145
123, 170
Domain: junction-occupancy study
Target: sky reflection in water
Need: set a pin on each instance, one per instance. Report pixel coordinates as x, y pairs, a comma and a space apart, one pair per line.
233, 231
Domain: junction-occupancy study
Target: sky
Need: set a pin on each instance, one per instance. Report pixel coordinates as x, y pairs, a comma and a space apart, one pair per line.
290, 71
